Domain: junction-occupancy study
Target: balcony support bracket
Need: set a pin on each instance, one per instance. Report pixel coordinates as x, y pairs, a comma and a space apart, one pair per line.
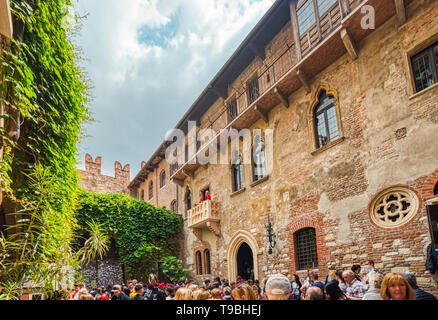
281, 96
198, 233
304, 80
401, 11
349, 44
261, 113
214, 227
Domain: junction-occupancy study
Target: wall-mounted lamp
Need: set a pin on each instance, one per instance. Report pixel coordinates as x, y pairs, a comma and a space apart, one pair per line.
271, 236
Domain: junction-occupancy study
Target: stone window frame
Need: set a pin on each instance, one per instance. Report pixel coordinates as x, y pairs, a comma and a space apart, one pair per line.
141, 196
174, 206
207, 262
417, 203
311, 118
200, 262
297, 258
417, 46
151, 190
162, 181
265, 177
233, 190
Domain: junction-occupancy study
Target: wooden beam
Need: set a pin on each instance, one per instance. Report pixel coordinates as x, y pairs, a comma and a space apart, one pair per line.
349, 44
295, 28
303, 78
187, 174
281, 96
400, 10
261, 113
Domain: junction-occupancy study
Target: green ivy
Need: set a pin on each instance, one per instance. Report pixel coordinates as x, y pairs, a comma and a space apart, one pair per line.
42, 81
143, 233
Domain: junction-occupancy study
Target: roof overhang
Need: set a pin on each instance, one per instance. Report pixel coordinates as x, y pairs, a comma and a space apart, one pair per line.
5, 19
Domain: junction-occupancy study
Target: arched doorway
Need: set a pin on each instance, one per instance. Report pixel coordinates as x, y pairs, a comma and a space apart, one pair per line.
243, 250
245, 263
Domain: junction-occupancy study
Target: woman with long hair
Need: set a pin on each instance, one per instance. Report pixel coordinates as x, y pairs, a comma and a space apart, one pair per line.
295, 284
396, 287
183, 294
333, 292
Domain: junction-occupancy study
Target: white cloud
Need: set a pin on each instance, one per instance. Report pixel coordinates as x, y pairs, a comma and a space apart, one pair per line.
142, 88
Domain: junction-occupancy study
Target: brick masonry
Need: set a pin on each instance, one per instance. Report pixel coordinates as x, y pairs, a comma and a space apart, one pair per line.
388, 139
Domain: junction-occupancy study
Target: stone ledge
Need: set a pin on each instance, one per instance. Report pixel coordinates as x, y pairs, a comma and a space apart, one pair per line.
415, 95
235, 193
259, 181
327, 146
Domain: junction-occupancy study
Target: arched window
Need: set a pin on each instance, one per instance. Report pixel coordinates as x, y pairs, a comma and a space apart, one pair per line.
259, 167
305, 249
162, 178
151, 190
326, 121
236, 170
198, 258
207, 261
189, 199
174, 206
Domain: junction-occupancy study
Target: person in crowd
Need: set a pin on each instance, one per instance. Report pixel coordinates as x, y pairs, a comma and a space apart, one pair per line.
249, 293
184, 294
148, 291
420, 294
83, 292
308, 281
104, 295
356, 269
75, 293
161, 295
317, 283
99, 292
295, 286
355, 289
216, 294
206, 284
227, 294
331, 276
86, 297
132, 292
396, 287
139, 292
238, 293
170, 292
257, 291
119, 294
201, 295
333, 292
277, 287
314, 293
375, 283
341, 282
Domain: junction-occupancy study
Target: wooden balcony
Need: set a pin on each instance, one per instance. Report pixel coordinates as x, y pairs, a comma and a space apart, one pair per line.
204, 215
336, 33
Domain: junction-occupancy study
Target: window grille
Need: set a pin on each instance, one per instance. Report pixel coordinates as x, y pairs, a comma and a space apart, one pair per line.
305, 248
232, 109
253, 90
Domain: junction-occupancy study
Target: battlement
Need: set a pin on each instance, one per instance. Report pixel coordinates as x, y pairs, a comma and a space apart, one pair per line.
94, 181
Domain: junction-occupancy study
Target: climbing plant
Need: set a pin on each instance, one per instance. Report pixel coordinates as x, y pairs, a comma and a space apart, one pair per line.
143, 233
46, 96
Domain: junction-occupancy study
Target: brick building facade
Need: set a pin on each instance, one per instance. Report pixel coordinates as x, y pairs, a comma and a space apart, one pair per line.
361, 190
94, 181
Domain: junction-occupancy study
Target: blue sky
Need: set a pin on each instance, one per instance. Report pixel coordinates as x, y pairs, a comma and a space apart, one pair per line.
148, 61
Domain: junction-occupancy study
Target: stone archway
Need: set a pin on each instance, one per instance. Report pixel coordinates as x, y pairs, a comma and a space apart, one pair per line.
242, 244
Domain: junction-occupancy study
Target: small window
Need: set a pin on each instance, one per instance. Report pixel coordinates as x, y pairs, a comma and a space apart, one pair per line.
236, 170
151, 190
207, 261
173, 168
232, 109
306, 15
326, 122
189, 199
174, 206
259, 159
253, 90
305, 248
162, 179
425, 67
142, 195
435, 190
198, 263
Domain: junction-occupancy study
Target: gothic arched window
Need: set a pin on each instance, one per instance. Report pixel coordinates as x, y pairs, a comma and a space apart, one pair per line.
326, 121
162, 178
198, 257
207, 261
151, 190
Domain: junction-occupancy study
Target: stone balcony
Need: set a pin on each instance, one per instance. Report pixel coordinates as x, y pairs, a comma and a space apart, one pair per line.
204, 216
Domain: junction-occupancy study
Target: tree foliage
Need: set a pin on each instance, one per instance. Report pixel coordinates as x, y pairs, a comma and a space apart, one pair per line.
43, 84
143, 233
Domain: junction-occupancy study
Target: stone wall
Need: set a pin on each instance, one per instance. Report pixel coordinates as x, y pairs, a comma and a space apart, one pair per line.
94, 181
388, 134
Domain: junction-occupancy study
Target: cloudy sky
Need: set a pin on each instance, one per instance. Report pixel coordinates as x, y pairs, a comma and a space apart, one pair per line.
148, 61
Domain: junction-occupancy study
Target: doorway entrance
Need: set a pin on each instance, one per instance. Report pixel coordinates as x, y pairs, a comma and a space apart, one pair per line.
245, 265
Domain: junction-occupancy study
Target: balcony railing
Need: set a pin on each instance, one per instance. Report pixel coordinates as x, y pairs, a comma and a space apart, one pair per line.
318, 47
204, 215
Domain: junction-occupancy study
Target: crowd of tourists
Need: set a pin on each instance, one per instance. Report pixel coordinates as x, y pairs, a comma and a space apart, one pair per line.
338, 285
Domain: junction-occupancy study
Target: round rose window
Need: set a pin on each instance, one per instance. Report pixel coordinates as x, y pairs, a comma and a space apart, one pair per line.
394, 207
